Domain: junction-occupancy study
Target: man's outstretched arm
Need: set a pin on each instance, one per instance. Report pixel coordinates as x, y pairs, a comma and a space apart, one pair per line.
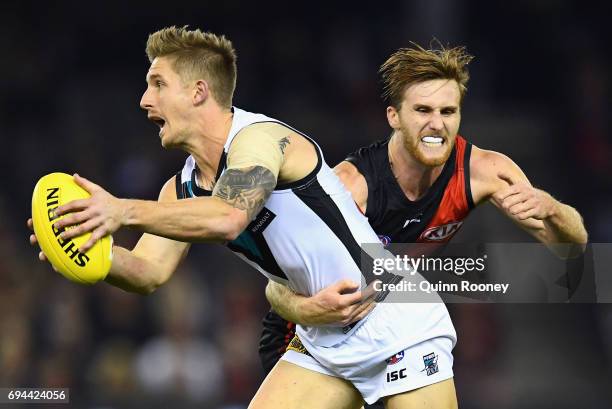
497, 179
218, 218
238, 196
152, 261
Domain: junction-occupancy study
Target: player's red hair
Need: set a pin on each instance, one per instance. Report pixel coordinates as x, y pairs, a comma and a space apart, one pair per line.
408, 66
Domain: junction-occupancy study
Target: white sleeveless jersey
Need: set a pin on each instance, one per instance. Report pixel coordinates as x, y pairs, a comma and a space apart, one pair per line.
308, 234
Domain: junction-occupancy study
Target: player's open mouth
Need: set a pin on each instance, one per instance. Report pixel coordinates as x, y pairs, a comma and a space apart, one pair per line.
433, 141
159, 121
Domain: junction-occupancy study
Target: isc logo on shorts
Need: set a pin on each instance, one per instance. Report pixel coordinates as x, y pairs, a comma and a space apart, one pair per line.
395, 375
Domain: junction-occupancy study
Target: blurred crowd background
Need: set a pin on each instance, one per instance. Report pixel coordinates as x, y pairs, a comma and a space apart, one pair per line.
71, 78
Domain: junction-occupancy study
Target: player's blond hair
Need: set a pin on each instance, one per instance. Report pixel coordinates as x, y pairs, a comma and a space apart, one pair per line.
198, 55
413, 65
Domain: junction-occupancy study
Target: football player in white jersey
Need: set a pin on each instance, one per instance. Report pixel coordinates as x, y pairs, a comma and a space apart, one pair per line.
253, 166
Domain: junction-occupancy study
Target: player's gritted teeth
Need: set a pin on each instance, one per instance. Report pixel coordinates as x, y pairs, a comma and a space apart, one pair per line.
433, 141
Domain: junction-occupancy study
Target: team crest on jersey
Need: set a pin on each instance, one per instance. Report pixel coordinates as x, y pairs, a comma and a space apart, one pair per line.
441, 233
385, 240
395, 358
431, 364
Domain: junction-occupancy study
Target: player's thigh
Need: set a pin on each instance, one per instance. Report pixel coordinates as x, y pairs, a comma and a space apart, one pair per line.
289, 386
439, 395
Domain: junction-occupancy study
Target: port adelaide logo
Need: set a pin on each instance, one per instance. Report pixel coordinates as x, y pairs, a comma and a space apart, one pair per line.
431, 364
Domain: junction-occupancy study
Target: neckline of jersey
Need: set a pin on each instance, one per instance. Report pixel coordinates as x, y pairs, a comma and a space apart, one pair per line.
433, 189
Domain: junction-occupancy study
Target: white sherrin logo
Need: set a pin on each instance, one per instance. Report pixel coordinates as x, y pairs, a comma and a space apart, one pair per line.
439, 233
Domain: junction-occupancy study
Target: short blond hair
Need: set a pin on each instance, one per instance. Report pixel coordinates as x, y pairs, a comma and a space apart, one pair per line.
198, 55
413, 65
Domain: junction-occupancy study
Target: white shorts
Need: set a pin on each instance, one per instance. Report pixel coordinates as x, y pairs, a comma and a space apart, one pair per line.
375, 375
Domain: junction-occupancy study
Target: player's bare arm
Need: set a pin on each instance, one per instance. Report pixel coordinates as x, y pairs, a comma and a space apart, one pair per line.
355, 183
192, 220
237, 197
497, 179
152, 261
246, 188
338, 304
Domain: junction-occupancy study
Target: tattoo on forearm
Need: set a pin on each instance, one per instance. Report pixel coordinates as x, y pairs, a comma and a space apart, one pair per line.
246, 189
283, 144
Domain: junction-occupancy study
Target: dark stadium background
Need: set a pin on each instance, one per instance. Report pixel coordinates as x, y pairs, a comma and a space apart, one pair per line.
71, 77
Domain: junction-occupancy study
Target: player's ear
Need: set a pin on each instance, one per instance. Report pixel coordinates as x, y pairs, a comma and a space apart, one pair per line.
393, 117
200, 92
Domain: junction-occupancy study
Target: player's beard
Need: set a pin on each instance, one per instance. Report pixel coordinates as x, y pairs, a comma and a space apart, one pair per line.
414, 145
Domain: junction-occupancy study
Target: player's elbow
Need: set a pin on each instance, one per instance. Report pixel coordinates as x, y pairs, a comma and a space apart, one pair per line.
568, 247
153, 283
146, 290
583, 236
141, 288
158, 274
219, 229
148, 286
232, 225
566, 251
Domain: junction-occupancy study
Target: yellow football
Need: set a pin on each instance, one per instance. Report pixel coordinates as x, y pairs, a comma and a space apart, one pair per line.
52, 191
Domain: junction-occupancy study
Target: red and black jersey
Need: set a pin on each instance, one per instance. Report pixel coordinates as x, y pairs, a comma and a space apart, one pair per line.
435, 217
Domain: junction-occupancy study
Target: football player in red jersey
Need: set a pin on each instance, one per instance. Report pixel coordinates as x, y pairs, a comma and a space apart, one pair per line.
420, 184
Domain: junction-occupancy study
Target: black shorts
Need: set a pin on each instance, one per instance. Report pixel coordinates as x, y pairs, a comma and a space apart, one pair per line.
275, 337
